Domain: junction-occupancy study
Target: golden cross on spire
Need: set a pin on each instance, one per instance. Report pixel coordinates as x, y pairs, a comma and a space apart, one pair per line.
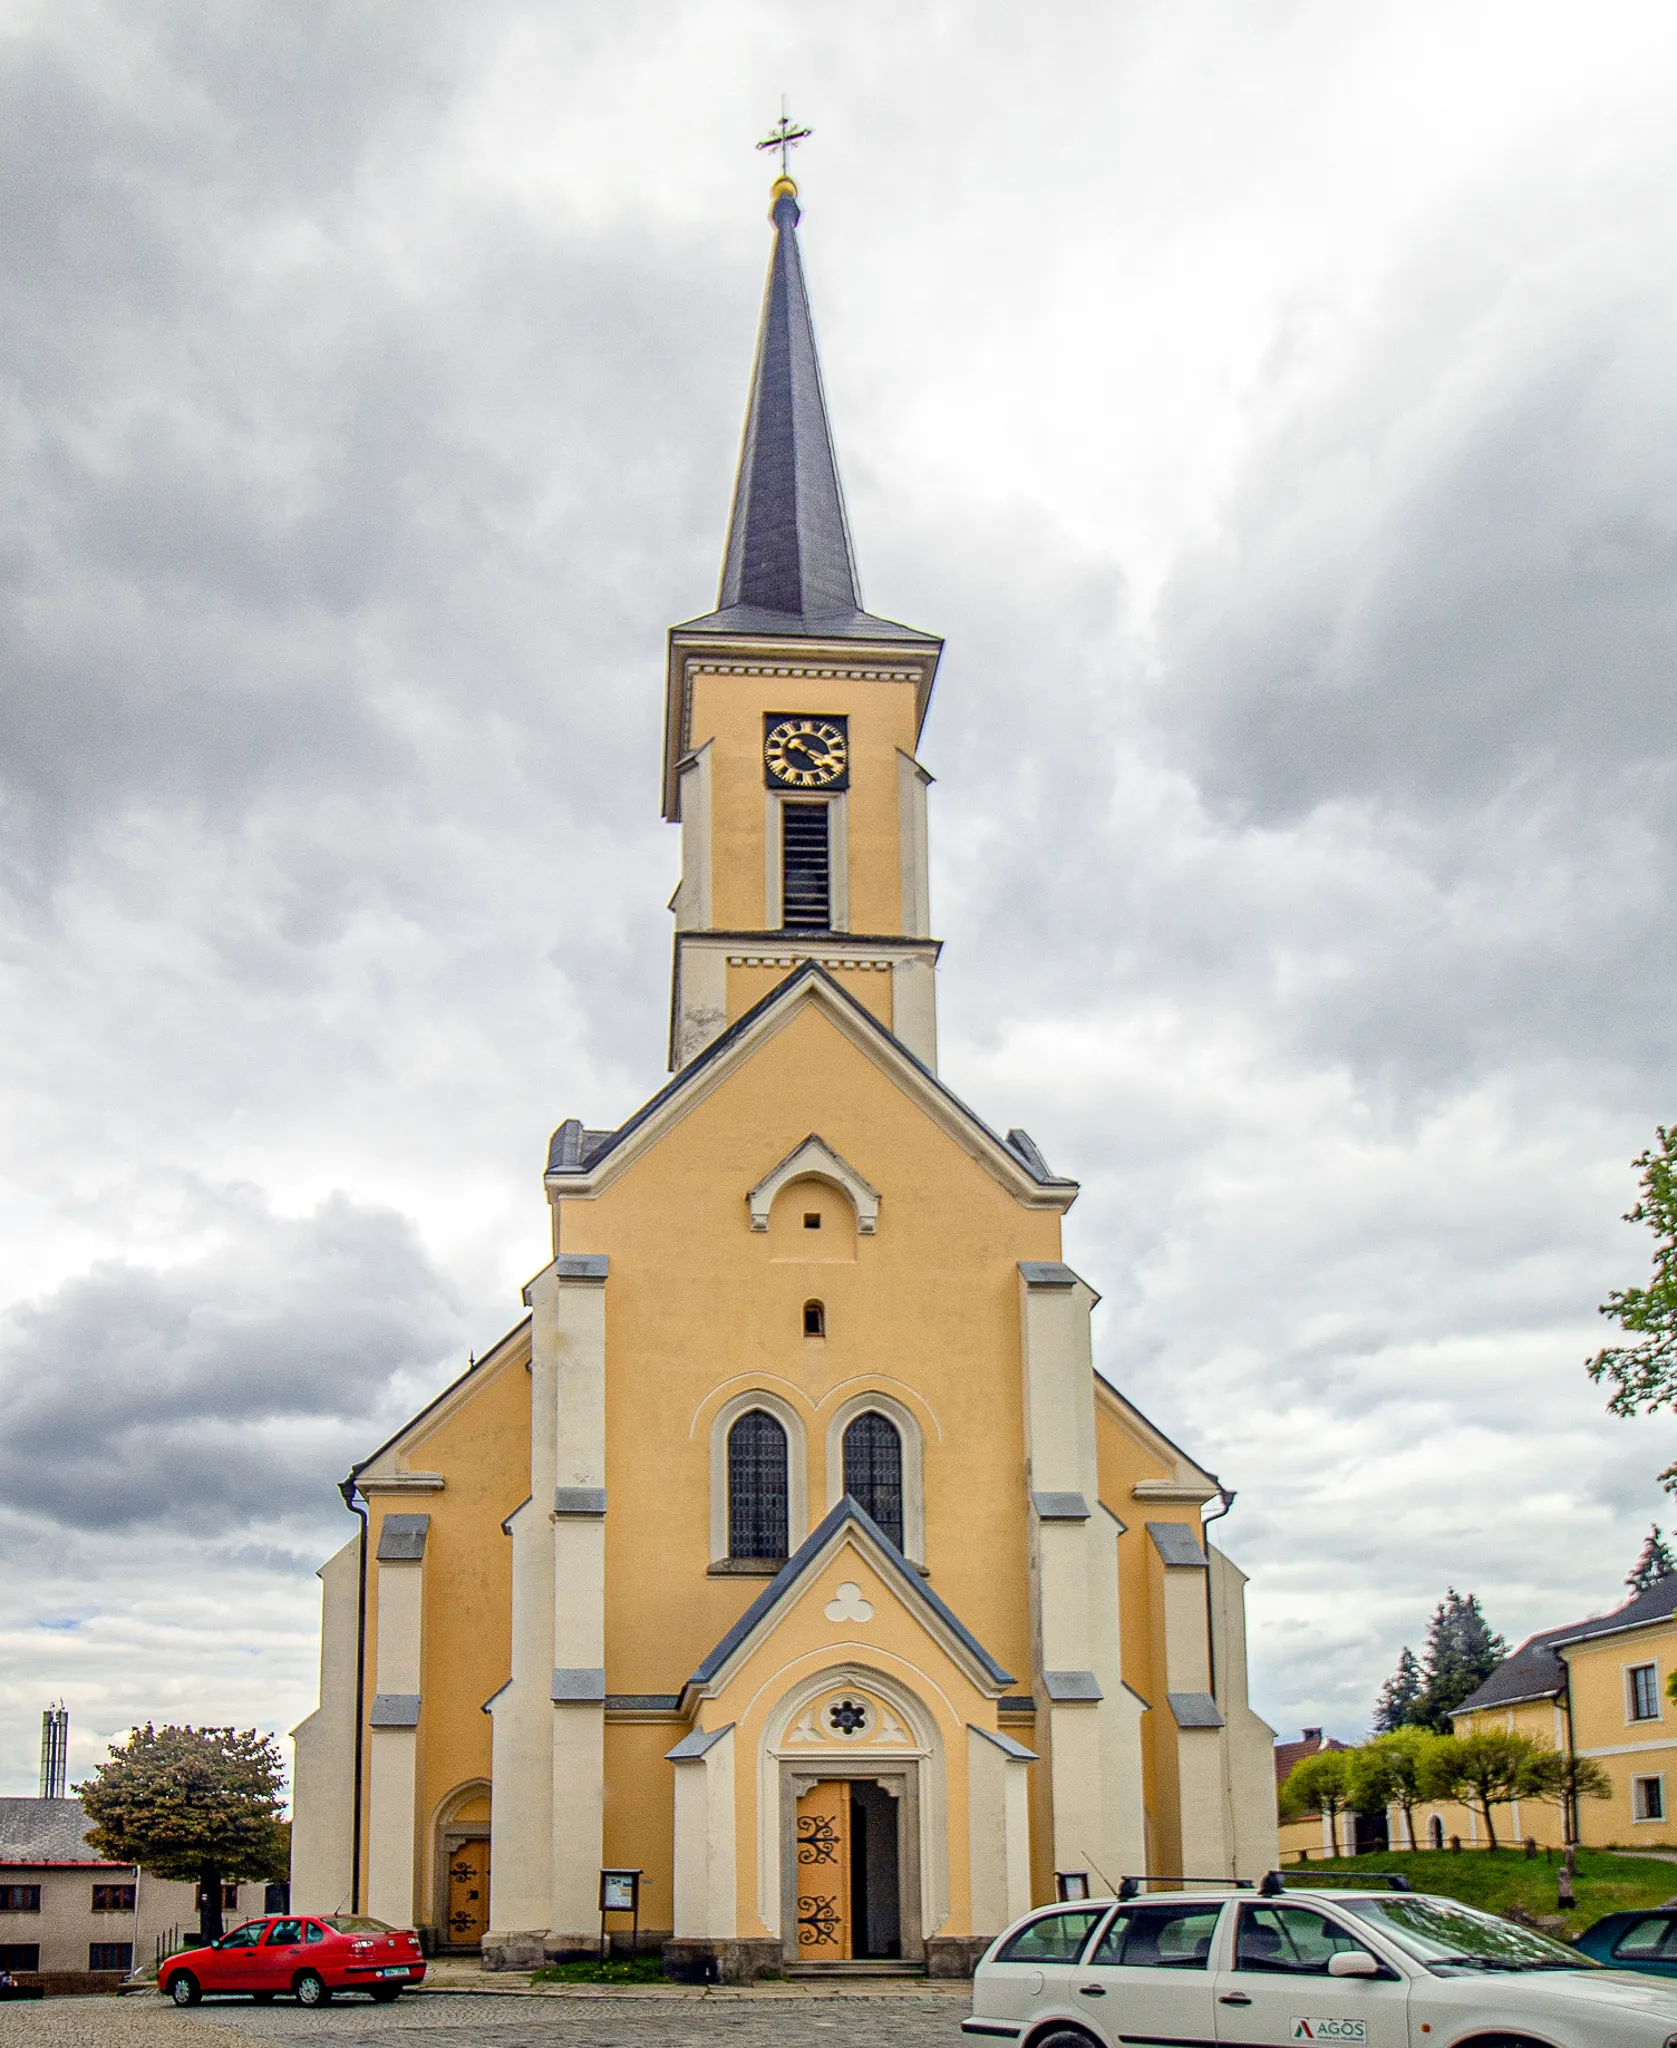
784, 137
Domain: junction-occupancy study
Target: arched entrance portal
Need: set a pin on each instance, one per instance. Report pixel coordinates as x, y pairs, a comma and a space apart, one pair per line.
851, 1752
461, 1893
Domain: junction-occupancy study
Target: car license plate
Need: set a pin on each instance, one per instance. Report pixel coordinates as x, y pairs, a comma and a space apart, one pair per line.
402, 1971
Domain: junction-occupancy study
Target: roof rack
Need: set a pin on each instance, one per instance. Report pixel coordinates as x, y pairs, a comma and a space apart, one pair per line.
1130, 1887
1275, 1881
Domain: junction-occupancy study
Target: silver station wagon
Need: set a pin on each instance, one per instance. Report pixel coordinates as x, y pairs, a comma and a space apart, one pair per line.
1266, 1969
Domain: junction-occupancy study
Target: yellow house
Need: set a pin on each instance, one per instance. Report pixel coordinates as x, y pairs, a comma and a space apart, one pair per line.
789, 1552
1598, 1687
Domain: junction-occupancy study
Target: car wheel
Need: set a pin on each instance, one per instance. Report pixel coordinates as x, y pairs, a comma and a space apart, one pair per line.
184, 1989
386, 1994
312, 1989
1062, 2037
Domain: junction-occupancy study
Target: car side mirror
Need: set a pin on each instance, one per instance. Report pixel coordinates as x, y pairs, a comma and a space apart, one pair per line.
1353, 1962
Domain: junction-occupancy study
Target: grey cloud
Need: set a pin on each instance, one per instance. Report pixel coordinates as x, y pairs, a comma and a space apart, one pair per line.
1456, 576
232, 1386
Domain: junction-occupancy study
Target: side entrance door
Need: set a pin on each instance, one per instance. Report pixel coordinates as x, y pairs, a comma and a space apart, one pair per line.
1279, 1990
824, 1931
468, 1894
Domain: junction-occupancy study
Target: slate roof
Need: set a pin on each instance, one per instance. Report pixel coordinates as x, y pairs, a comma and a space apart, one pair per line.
1536, 1672
807, 1555
1533, 1672
46, 1831
789, 567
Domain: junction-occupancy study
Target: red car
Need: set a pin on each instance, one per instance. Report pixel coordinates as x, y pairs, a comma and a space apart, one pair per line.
310, 1955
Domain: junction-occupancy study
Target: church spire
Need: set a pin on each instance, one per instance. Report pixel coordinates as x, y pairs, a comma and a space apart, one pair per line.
788, 541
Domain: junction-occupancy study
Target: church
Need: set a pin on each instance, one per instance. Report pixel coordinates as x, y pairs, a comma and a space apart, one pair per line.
789, 1558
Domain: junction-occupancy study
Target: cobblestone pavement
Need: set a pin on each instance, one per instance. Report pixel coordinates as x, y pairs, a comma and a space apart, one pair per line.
752, 2020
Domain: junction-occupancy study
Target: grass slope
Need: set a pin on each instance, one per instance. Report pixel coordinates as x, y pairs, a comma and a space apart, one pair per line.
1496, 1880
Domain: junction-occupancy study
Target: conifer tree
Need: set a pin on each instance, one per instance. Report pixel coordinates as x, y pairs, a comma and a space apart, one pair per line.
1462, 1652
1655, 1563
1398, 1696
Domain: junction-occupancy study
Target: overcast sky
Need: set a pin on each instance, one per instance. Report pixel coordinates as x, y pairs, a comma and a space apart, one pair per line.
1275, 404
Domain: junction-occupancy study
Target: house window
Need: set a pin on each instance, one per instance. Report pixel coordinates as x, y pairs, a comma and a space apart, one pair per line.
1644, 1692
20, 1898
812, 1219
1435, 1832
1647, 1798
110, 1955
757, 1487
806, 885
873, 1471
815, 1319
113, 1898
20, 1955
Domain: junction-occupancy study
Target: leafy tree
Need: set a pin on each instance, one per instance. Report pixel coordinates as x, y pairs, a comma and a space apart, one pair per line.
1400, 1694
1484, 1771
200, 1804
1318, 1784
1643, 1375
1558, 1779
1655, 1563
1392, 1771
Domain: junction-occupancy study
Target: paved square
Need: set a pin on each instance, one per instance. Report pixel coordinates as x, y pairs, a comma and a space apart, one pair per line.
752, 2020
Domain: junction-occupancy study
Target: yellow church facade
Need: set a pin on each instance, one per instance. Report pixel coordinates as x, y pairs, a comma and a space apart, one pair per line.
790, 1551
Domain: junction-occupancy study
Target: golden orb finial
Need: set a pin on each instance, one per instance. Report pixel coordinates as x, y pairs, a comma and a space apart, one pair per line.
782, 188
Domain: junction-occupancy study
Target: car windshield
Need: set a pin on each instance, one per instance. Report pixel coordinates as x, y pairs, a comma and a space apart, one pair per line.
342, 1923
1451, 1938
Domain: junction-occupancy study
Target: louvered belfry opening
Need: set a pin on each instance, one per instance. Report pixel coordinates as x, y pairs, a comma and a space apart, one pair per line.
873, 1471
806, 886
757, 1489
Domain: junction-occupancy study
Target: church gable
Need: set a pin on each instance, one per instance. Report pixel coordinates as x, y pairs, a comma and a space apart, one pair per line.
579, 1171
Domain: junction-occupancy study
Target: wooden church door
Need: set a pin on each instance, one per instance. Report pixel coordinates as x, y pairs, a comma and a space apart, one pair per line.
824, 1930
468, 1894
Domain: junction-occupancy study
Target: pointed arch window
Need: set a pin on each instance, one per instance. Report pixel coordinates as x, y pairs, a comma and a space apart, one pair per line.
758, 1488
873, 1470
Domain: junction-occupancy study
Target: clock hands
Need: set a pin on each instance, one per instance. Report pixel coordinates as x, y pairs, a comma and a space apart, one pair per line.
805, 745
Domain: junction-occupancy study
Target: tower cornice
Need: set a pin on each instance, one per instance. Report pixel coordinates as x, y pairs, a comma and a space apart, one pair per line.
694, 651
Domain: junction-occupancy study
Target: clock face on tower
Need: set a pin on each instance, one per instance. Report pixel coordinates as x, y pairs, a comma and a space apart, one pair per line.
805, 751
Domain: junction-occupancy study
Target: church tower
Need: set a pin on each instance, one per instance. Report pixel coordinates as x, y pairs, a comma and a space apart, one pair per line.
789, 1552
790, 729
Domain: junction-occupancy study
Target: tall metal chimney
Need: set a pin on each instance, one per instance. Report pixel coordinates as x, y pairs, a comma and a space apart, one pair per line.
55, 1752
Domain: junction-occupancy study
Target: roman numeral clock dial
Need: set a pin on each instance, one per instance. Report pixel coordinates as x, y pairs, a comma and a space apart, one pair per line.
805, 753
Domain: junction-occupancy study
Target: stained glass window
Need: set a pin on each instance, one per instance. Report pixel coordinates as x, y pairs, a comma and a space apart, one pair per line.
757, 1490
873, 1471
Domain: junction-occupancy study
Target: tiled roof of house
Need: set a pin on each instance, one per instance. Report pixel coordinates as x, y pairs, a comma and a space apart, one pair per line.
44, 1831
1289, 1753
1535, 1672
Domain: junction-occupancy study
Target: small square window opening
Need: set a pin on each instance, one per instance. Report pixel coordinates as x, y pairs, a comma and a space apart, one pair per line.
812, 1219
1644, 1692
1647, 1797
